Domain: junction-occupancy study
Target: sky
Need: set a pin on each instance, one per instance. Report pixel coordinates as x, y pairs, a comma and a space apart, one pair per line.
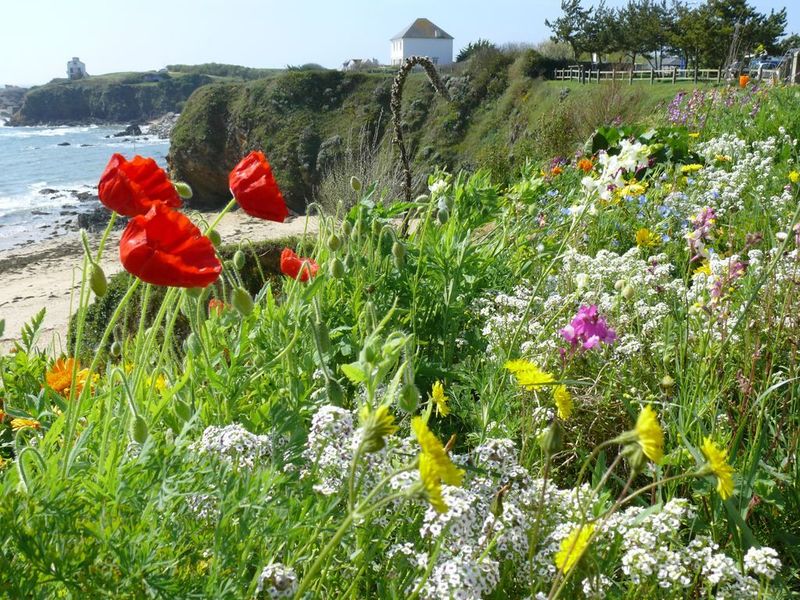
38, 37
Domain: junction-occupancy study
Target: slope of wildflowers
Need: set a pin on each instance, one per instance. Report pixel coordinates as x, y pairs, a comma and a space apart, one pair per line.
580, 385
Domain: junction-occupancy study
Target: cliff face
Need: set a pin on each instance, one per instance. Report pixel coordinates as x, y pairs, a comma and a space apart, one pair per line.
110, 99
297, 118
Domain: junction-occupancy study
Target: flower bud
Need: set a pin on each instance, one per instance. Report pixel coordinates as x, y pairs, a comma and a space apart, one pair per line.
635, 456
337, 268
334, 242
627, 292
376, 227
335, 392
347, 228
193, 344
242, 301
667, 383
398, 250
355, 183
349, 262
323, 338
139, 430
239, 260
409, 398
97, 281
551, 439
376, 425
215, 238
442, 215
619, 284
184, 189
116, 350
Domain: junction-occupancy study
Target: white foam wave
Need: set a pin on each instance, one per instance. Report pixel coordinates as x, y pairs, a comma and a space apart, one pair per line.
30, 132
20, 208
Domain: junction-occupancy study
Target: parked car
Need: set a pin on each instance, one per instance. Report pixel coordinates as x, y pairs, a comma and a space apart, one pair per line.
765, 62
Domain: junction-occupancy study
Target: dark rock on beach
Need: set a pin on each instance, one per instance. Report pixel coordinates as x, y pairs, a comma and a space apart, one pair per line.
132, 129
97, 220
64, 144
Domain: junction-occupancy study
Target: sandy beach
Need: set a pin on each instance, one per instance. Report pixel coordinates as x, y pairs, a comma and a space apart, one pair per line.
48, 274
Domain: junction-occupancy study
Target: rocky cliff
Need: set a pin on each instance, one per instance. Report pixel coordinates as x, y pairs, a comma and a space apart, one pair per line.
110, 99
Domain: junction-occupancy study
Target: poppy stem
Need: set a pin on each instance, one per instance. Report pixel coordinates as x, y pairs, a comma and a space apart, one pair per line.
222, 213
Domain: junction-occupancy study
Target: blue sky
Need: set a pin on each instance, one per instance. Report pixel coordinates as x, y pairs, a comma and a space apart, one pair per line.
37, 37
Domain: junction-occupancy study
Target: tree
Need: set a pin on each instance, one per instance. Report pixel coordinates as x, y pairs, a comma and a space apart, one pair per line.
789, 42
473, 48
571, 27
644, 27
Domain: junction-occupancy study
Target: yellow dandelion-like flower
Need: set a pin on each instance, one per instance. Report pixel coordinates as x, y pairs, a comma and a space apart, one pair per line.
693, 168
435, 466
646, 238
563, 400
704, 269
439, 399
59, 377
694, 135
723, 158
376, 425
718, 465
528, 374
650, 435
573, 546
160, 382
794, 176
21, 423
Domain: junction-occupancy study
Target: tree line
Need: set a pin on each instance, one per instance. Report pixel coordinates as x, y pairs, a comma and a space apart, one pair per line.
700, 33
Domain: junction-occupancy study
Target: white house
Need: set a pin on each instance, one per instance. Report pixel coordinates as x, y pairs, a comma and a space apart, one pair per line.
76, 69
422, 38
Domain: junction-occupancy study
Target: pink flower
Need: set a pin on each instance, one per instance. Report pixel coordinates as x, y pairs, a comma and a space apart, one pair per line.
588, 329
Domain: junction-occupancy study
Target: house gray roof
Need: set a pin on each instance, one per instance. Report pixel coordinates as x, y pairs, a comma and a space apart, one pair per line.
423, 28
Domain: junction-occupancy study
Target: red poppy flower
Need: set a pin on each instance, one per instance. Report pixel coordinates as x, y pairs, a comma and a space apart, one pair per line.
255, 188
164, 247
294, 266
132, 187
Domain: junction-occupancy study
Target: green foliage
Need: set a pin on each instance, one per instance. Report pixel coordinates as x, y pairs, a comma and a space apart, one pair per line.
222, 70
474, 47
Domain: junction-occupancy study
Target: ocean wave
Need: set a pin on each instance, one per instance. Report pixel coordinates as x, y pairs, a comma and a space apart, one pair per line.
19, 208
30, 132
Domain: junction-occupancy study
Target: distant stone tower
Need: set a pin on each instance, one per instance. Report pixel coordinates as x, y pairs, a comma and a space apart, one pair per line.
76, 69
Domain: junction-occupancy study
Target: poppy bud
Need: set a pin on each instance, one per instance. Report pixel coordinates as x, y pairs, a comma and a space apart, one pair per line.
193, 344
627, 292
355, 183
139, 430
619, 284
347, 228
335, 392
398, 250
242, 301
349, 261
337, 268
116, 349
97, 281
323, 338
334, 243
239, 260
376, 228
184, 189
552, 438
409, 398
215, 238
442, 215
399, 262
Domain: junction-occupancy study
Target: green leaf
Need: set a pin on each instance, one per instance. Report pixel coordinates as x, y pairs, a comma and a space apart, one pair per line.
354, 372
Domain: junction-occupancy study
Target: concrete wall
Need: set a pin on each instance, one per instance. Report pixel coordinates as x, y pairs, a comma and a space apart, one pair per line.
439, 50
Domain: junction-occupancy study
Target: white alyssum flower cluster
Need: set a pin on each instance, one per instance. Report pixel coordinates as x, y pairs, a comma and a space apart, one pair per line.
234, 445
584, 280
276, 581
762, 562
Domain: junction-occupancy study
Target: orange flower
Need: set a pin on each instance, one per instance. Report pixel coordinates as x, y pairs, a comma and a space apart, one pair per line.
585, 165
20, 423
556, 171
59, 377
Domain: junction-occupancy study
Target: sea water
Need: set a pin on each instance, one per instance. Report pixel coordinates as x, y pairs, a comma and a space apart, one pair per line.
41, 177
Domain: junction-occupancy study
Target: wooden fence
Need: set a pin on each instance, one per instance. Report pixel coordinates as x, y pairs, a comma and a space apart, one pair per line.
589, 75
